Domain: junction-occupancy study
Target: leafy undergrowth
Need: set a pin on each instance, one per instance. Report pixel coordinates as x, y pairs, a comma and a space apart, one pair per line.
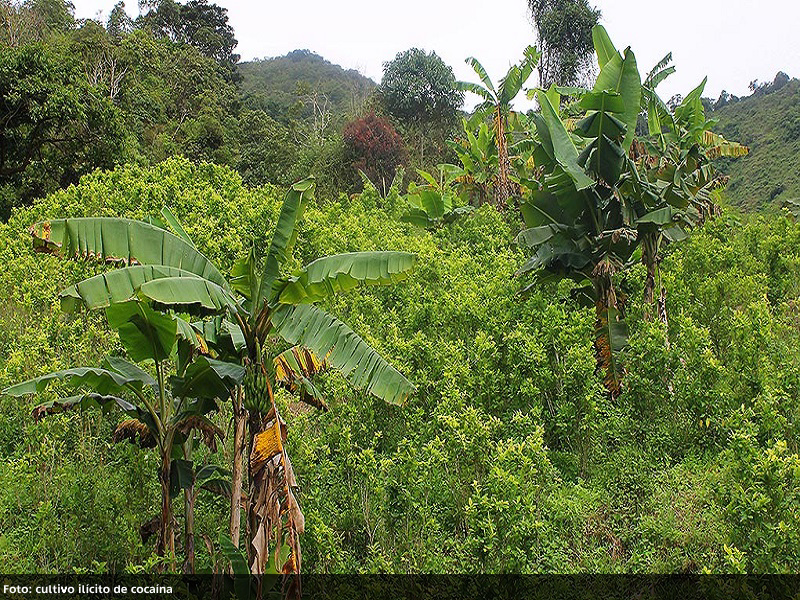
509, 458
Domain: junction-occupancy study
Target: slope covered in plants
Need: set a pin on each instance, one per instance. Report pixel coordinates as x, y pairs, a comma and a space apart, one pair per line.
769, 123
278, 85
510, 456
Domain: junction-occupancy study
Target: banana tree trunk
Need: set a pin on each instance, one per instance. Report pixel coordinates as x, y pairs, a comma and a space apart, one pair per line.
237, 476
188, 504
662, 308
650, 261
166, 534
502, 189
609, 333
254, 428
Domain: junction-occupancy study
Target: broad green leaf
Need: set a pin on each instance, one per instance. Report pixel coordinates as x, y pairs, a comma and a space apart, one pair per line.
517, 75
176, 225
601, 124
193, 295
603, 46
223, 335
181, 476
207, 471
188, 336
418, 217
119, 285
564, 150
604, 157
238, 563
604, 100
243, 275
535, 236
659, 72
218, 486
660, 217
102, 381
145, 333
326, 336
481, 72
428, 177
283, 238
658, 115
554, 96
208, 378
123, 242
129, 370
560, 254
342, 272
621, 75
653, 82
466, 86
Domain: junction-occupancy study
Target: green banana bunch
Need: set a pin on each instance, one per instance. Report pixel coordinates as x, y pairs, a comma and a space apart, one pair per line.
256, 395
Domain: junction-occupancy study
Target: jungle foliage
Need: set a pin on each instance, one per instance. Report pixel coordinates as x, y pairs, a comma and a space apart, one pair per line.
539, 470
508, 394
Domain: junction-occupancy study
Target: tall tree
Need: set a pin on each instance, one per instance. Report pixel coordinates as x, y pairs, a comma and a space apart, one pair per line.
119, 23
564, 33
23, 22
55, 125
198, 23
419, 90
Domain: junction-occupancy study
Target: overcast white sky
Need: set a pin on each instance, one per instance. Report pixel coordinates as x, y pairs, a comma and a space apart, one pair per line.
731, 41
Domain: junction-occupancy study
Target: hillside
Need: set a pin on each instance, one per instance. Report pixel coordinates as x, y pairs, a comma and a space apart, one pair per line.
278, 85
768, 122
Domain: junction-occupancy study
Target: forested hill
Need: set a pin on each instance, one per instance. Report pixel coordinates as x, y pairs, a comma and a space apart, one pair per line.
287, 86
768, 122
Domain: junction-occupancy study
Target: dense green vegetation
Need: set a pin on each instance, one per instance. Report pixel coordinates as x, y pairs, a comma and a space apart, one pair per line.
286, 87
694, 467
769, 123
568, 352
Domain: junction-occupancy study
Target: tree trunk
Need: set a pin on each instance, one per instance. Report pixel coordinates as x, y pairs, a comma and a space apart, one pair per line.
502, 188
239, 447
166, 535
254, 428
188, 505
662, 308
188, 502
650, 261
608, 311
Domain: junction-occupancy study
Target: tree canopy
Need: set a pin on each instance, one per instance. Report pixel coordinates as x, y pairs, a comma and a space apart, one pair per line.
419, 87
564, 34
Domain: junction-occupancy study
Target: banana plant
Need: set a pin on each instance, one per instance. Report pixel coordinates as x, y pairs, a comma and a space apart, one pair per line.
165, 411
676, 158
579, 224
597, 198
434, 202
262, 306
477, 153
497, 102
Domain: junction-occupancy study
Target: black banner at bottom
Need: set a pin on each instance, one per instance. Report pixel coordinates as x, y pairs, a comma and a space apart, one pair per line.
403, 587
